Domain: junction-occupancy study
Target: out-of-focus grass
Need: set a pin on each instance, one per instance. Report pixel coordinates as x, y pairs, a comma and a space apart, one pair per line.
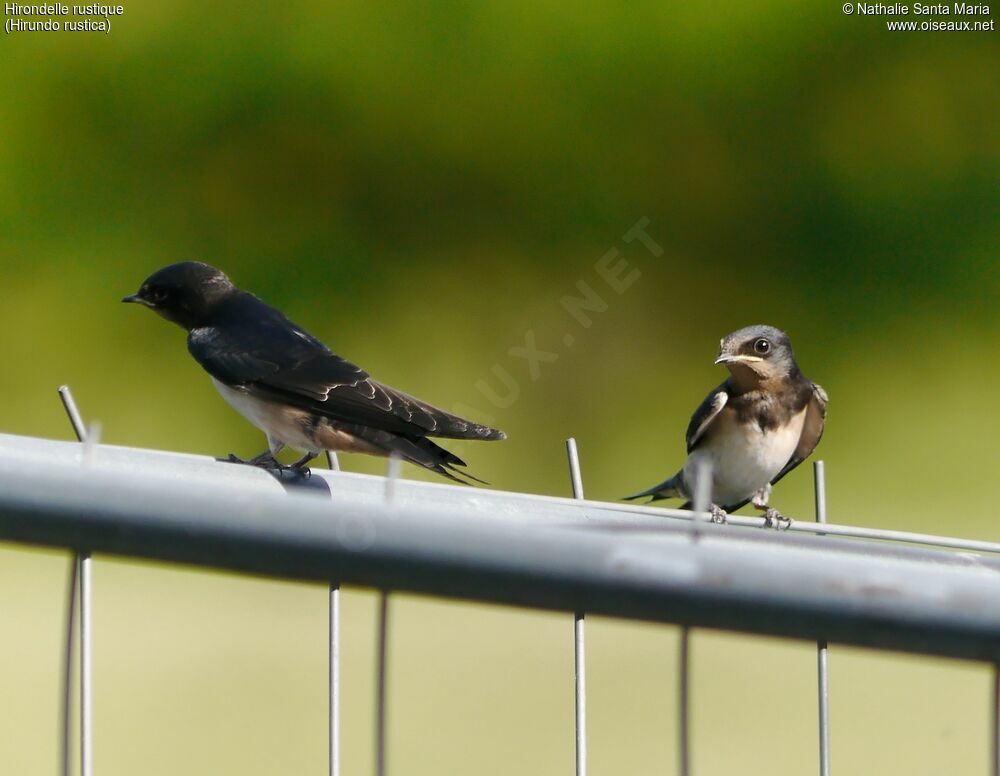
419, 186
208, 673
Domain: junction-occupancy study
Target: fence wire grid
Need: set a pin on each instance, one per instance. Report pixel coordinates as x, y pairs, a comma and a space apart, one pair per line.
819, 581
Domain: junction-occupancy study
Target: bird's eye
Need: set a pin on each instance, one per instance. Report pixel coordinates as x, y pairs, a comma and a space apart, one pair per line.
762, 346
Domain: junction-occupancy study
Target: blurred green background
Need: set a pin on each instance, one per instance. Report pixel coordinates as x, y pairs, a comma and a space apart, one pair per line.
419, 185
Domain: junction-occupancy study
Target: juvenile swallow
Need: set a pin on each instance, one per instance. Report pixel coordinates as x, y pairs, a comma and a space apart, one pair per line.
290, 385
758, 425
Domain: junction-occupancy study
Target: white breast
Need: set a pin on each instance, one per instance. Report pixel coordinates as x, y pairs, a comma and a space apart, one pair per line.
283, 425
744, 458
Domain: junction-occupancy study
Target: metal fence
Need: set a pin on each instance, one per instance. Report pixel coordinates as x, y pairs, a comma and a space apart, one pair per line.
816, 581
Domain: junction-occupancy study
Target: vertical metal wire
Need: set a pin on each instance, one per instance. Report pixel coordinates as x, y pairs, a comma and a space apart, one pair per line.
380, 682
67, 672
683, 724
995, 723
334, 680
579, 646
74, 414
576, 479
81, 576
381, 668
822, 667
93, 436
86, 685
334, 657
702, 501
702, 494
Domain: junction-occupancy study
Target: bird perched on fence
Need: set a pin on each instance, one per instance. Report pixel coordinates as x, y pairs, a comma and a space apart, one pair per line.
762, 422
290, 385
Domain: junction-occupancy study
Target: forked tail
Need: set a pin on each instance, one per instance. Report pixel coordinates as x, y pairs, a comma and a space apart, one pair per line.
669, 488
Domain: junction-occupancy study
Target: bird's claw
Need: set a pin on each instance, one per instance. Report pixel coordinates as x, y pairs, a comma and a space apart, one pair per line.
233, 458
718, 514
294, 469
268, 462
774, 519
262, 461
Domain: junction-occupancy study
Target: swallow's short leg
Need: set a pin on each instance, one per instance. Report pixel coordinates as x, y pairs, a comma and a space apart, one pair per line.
298, 469
300, 465
265, 460
760, 498
718, 514
772, 517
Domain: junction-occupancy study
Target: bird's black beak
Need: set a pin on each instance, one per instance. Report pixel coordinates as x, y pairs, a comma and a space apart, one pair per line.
136, 299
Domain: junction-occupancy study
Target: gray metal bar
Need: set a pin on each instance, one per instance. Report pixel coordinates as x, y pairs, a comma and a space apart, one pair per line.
702, 496
475, 544
580, 682
86, 668
334, 659
575, 475
806, 527
81, 571
579, 640
90, 442
334, 721
183, 468
382, 655
684, 703
66, 395
822, 667
67, 672
995, 722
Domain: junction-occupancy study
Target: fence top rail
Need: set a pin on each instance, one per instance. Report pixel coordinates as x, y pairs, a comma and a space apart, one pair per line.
190, 469
545, 552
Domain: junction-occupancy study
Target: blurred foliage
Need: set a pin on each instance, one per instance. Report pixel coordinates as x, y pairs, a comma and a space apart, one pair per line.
420, 185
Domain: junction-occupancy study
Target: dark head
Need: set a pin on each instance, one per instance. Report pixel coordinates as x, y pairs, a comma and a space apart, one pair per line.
184, 293
757, 353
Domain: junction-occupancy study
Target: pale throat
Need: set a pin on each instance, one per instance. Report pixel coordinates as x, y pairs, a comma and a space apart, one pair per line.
745, 378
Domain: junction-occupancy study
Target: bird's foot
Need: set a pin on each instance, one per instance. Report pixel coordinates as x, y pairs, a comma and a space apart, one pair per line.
298, 469
718, 514
301, 466
774, 519
268, 462
265, 460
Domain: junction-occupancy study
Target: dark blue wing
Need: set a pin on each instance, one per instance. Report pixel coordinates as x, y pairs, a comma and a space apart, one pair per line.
254, 346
